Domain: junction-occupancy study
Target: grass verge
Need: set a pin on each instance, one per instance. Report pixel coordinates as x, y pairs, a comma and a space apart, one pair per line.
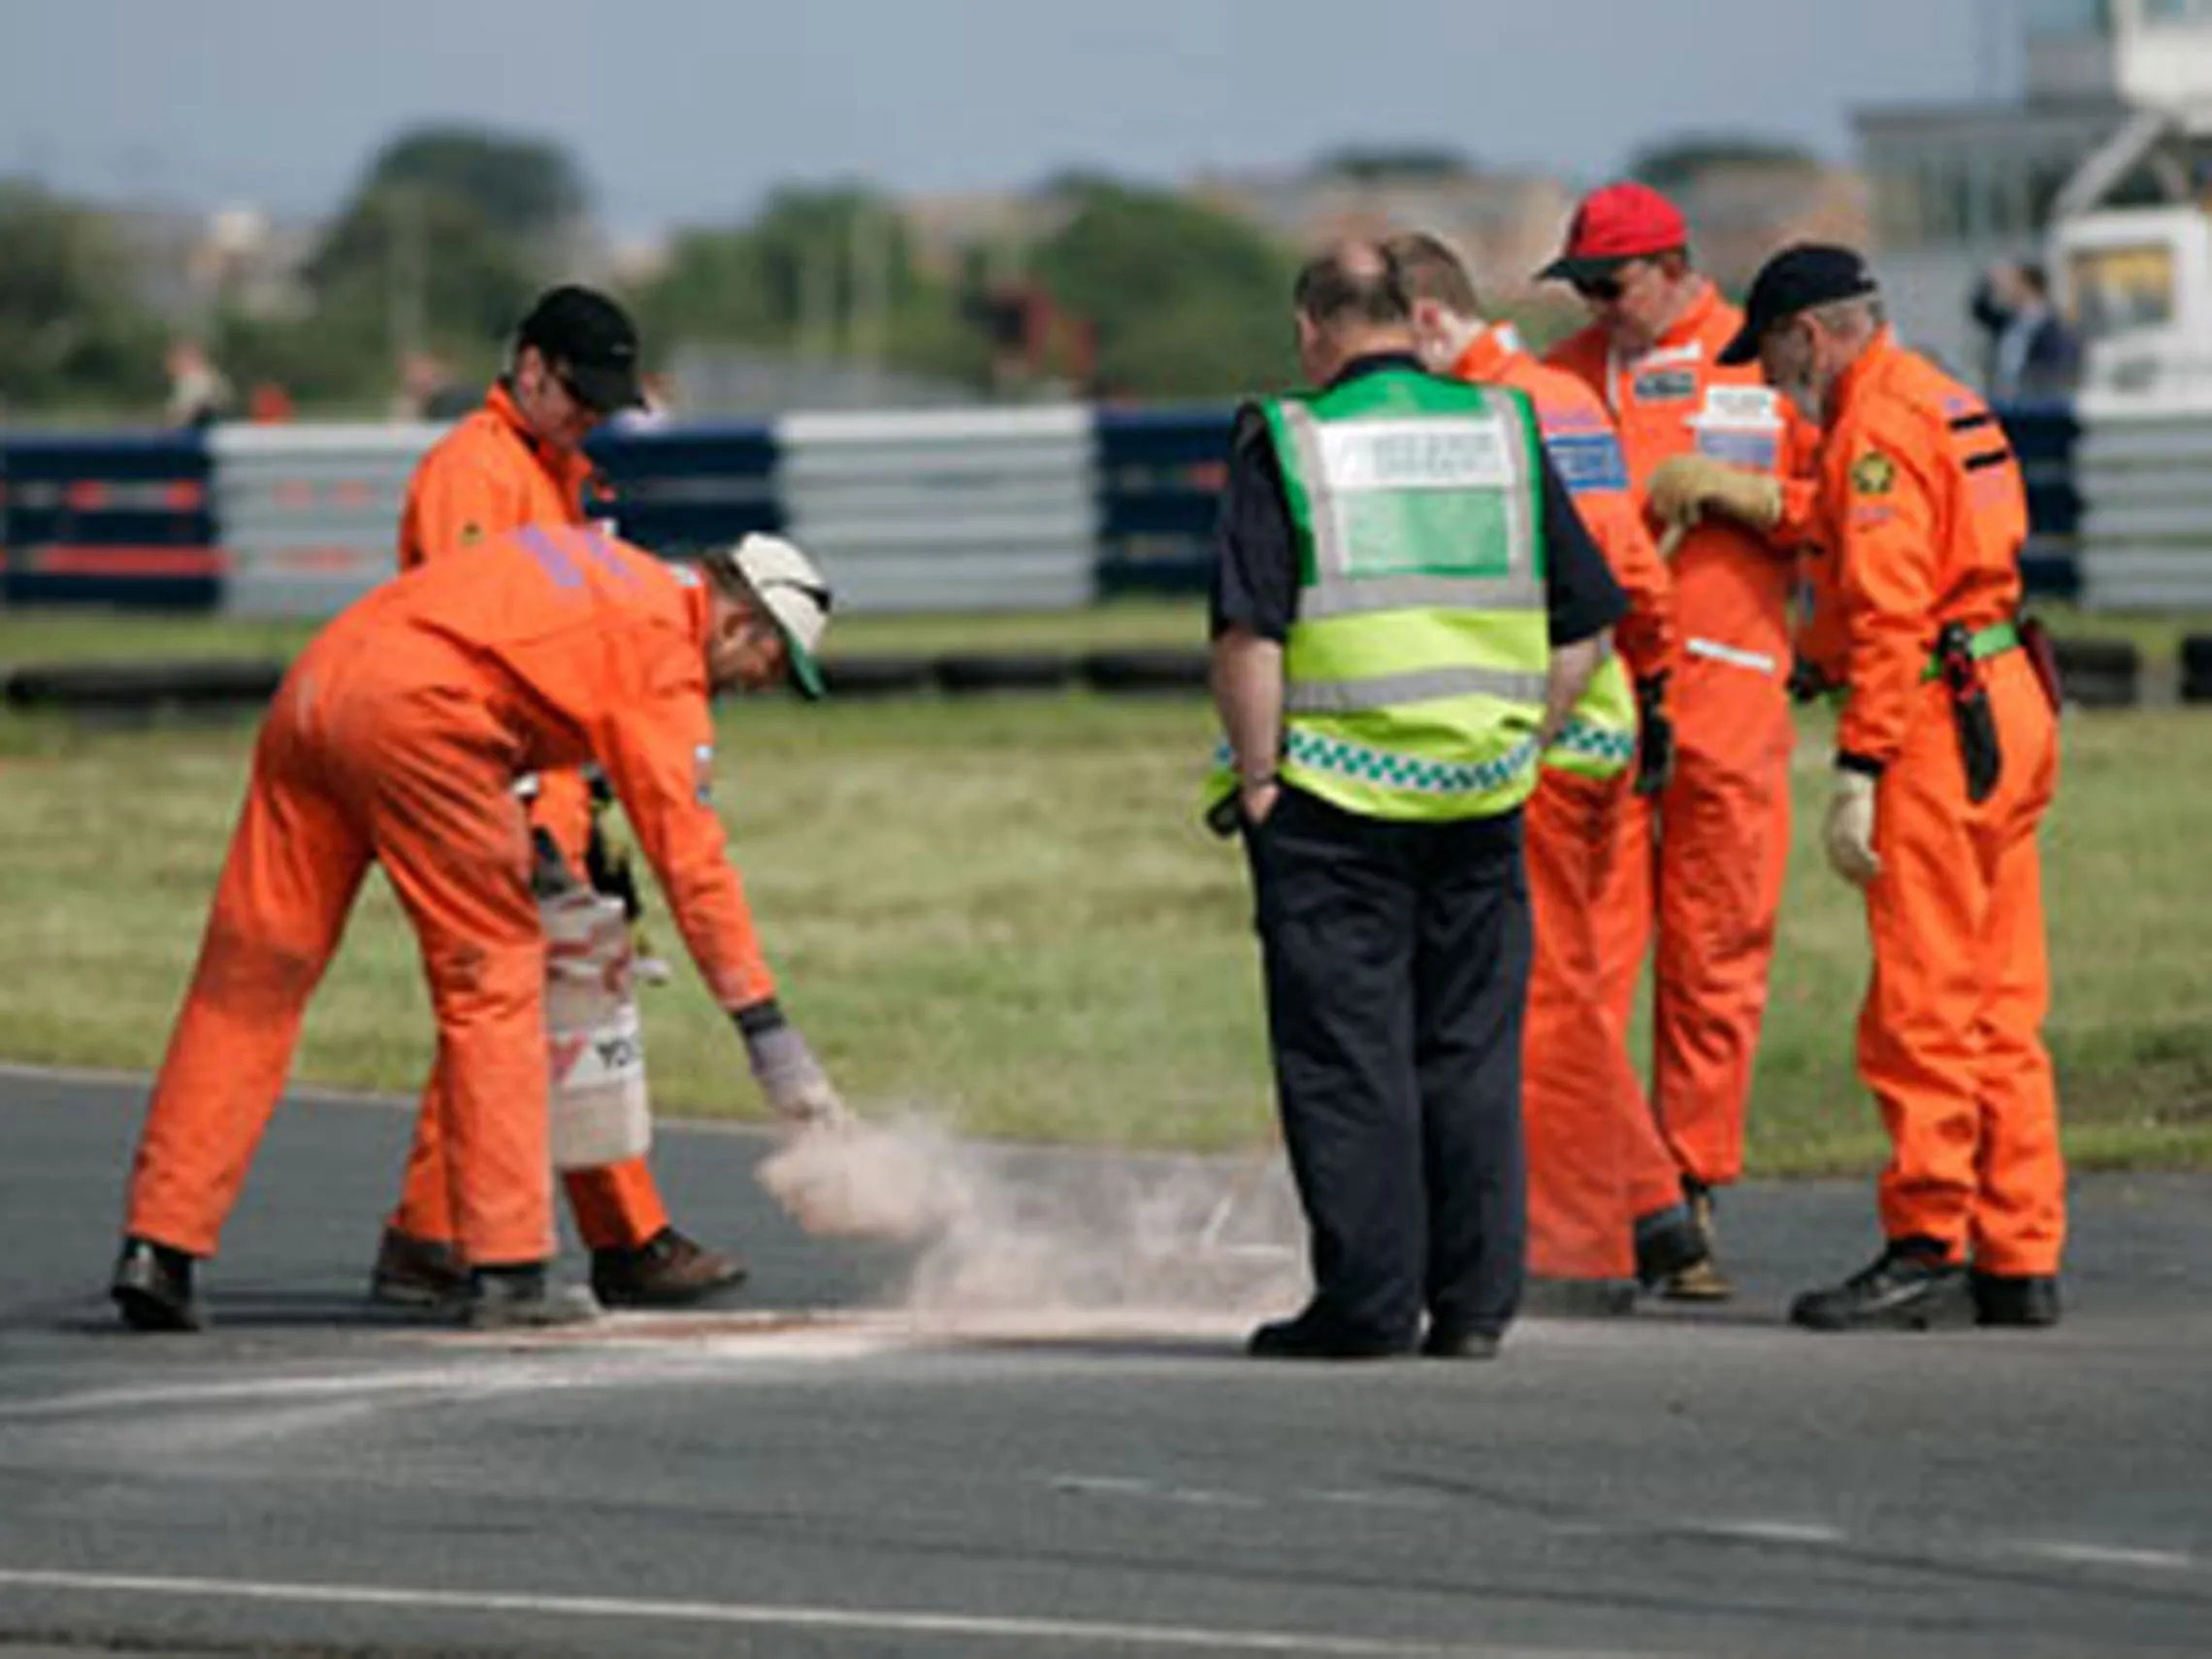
1007, 911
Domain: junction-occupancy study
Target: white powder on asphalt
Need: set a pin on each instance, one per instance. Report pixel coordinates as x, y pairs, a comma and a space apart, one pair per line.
998, 1231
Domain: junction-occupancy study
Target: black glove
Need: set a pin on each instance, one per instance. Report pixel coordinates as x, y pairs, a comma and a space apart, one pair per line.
1655, 737
1807, 684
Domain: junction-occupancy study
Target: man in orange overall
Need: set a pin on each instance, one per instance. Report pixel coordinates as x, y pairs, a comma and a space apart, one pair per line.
397, 738
1605, 1200
519, 460
1946, 759
1720, 463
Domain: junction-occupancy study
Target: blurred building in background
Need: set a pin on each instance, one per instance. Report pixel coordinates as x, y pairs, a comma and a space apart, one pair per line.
1955, 186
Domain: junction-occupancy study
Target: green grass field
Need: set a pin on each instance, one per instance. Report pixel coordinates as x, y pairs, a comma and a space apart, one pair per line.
1006, 911
93, 635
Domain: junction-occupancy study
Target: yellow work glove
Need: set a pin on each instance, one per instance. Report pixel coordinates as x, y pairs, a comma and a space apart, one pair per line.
1684, 486
1850, 833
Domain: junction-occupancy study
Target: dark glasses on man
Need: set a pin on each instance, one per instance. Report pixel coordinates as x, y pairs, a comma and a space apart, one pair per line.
1604, 289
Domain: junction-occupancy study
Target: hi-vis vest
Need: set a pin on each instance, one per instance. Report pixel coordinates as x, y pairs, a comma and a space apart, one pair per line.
1599, 738
1414, 673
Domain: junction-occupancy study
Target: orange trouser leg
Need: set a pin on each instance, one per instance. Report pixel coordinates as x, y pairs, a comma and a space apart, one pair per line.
615, 1207
1572, 1057
1723, 847
454, 841
1951, 1035
295, 865
1621, 925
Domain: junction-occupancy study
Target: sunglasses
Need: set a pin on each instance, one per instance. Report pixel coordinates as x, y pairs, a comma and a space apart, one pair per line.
1604, 289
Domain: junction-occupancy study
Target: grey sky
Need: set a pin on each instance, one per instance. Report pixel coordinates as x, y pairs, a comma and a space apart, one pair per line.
688, 110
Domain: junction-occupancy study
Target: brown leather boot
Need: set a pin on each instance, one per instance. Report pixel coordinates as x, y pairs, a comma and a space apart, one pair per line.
666, 1271
417, 1273
1701, 1280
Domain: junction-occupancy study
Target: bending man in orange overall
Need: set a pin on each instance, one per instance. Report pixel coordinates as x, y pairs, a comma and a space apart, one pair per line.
1715, 458
1604, 1199
397, 738
1946, 758
519, 460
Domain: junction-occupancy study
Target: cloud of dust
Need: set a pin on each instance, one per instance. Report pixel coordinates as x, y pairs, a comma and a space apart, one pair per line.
1004, 1231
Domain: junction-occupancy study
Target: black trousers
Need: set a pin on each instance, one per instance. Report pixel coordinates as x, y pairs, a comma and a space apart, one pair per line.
1398, 961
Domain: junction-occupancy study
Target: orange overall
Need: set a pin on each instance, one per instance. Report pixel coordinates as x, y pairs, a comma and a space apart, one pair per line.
1924, 502
397, 737
1595, 1159
1699, 874
487, 475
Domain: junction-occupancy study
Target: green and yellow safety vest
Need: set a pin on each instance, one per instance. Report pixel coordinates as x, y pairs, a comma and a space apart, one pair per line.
1415, 668
1598, 739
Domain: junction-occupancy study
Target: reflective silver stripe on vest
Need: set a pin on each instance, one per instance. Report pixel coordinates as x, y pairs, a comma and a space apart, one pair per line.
1336, 592
1417, 593
1424, 685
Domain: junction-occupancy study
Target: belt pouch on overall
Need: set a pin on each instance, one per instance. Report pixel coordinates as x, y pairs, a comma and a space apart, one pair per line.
1970, 713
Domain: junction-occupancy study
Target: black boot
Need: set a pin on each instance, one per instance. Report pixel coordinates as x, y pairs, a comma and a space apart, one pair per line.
152, 1287
417, 1273
1668, 1241
1910, 1286
2024, 1299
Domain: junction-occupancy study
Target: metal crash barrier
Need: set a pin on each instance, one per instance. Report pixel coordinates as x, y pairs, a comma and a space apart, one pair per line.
1032, 509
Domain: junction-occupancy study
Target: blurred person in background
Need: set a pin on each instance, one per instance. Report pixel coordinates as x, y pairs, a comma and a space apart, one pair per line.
1605, 1198
1404, 607
2031, 351
1946, 759
1721, 465
396, 740
518, 460
199, 396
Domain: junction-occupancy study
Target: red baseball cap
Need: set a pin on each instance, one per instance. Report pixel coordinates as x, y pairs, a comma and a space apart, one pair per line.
1614, 223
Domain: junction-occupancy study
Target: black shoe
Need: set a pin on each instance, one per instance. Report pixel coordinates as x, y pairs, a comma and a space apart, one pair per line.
414, 1272
521, 1299
1308, 1338
1908, 1288
2015, 1299
1668, 1241
1448, 1342
152, 1287
1578, 1298
666, 1271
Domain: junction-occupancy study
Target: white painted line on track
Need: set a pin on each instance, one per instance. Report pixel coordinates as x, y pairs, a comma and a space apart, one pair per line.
2111, 1555
755, 1615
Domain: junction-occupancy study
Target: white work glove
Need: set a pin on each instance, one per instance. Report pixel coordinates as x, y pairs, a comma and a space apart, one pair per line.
1683, 486
1850, 833
792, 1079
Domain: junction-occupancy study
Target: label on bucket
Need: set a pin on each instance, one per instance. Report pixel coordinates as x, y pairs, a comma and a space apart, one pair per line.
598, 1109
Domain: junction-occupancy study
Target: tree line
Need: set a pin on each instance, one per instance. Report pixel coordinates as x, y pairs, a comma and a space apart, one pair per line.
1121, 291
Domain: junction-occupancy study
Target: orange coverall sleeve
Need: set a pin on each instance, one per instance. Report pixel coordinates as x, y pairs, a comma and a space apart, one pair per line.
659, 755
455, 502
1887, 518
1803, 518
1646, 636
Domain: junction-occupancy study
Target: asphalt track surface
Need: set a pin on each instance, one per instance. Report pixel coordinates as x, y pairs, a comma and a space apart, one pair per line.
811, 1471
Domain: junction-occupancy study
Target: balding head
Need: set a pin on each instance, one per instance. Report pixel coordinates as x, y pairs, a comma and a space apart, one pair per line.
1350, 299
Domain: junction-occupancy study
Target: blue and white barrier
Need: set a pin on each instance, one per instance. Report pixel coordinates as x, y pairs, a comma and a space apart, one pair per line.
1032, 509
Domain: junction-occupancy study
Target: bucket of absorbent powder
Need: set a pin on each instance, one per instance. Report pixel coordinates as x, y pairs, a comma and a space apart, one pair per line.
599, 1111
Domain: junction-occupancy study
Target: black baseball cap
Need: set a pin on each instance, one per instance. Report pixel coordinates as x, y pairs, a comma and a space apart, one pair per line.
1796, 279
592, 342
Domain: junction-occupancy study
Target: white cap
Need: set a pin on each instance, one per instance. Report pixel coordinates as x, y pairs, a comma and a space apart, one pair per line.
793, 593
